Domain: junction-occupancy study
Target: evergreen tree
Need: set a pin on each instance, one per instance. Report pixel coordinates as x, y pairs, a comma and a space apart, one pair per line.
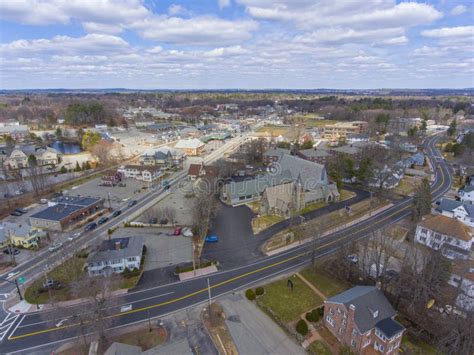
421, 200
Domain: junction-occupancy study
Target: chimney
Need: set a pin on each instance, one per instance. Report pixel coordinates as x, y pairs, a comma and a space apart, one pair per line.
117, 246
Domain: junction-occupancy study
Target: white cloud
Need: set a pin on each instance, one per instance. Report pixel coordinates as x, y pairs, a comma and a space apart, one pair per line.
223, 3
204, 30
343, 35
175, 9
450, 32
225, 51
458, 10
91, 43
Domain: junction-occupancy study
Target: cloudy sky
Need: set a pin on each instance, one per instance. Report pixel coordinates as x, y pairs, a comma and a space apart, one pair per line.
249, 44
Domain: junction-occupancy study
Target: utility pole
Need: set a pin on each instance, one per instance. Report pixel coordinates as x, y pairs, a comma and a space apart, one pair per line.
209, 293
110, 204
18, 289
194, 258
12, 252
370, 204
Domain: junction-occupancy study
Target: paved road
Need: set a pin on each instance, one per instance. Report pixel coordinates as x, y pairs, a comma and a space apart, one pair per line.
32, 331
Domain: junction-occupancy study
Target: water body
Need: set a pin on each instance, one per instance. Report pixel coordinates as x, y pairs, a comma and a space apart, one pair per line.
66, 148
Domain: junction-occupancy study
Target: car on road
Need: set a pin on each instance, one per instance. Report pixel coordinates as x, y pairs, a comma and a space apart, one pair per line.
126, 308
116, 213
211, 239
74, 236
90, 226
132, 203
178, 230
61, 322
12, 274
44, 201
102, 220
12, 251
55, 246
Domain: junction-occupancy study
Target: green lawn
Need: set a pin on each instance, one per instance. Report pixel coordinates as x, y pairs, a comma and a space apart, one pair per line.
265, 221
313, 206
319, 348
285, 304
318, 123
274, 130
328, 285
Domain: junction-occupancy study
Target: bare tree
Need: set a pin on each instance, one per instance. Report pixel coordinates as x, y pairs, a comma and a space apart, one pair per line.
169, 213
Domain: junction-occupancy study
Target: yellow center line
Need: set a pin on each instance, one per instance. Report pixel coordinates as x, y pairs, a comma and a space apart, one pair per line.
48, 330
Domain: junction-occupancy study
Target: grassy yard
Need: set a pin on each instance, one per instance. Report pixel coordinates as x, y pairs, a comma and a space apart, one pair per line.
318, 123
71, 270
319, 348
313, 206
417, 347
274, 130
254, 206
265, 221
406, 187
346, 194
142, 338
328, 285
287, 305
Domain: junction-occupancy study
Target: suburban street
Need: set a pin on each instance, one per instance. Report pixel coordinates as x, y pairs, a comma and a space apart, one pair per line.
31, 331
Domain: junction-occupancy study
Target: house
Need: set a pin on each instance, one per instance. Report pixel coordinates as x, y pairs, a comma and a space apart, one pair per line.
462, 211
197, 171
14, 129
319, 156
462, 278
363, 319
467, 193
191, 147
357, 137
18, 158
141, 173
177, 156
273, 155
64, 211
161, 158
449, 235
116, 255
20, 235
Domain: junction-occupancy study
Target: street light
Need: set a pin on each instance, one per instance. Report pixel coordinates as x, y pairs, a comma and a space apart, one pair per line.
17, 287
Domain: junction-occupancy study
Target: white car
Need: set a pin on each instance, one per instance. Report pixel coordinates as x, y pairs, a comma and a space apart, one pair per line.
55, 247
126, 308
353, 258
74, 236
12, 274
187, 232
61, 322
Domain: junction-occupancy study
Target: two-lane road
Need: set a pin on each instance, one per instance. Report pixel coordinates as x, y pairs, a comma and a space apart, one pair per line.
34, 330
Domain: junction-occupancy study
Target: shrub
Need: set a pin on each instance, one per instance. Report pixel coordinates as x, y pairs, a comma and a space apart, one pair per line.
302, 327
250, 294
321, 311
312, 316
309, 317
259, 291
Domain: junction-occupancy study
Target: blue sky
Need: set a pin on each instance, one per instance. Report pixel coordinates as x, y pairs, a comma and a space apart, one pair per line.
249, 44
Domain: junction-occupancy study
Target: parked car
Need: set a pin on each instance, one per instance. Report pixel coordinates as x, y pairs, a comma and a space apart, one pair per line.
74, 236
126, 308
16, 213
187, 232
353, 258
102, 220
116, 213
55, 247
211, 239
90, 226
51, 284
132, 203
12, 274
13, 251
44, 201
177, 231
21, 210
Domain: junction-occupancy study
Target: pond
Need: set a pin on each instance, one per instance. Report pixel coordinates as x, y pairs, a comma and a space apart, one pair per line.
66, 148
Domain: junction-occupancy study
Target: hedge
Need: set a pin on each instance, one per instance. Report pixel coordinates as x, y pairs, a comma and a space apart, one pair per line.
302, 327
250, 295
259, 291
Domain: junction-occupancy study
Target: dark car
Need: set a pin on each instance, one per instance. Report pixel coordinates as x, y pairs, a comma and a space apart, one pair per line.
16, 213
14, 251
91, 226
132, 203
102, 220
21, 210
116, 213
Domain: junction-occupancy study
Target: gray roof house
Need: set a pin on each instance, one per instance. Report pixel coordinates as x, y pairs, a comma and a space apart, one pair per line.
115, 255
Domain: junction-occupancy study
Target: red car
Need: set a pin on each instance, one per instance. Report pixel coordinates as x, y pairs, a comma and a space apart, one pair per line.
177, 231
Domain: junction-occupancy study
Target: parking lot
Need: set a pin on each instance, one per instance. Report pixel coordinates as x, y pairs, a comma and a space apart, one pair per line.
162, 249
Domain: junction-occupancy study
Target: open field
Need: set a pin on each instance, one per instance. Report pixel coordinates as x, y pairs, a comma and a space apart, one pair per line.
275, 130
286, 304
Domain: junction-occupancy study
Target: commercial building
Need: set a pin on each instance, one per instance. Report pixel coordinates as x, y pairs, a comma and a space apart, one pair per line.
340, 130
65, 211
319, 156
363, 319
116, 255
191, 147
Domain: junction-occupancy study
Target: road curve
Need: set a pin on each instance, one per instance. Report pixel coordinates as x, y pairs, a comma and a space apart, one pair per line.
34, 330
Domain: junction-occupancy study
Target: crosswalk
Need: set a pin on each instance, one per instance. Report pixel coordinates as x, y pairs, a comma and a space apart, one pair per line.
7, 323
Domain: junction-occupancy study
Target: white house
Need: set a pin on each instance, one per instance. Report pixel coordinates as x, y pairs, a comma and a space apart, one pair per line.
140, 172
467, 193
449, 235
115, 255
462, 211
462, 278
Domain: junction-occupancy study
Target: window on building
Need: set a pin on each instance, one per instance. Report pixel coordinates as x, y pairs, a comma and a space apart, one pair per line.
330, 321
331, 311
354, 332
366, 342
353, 343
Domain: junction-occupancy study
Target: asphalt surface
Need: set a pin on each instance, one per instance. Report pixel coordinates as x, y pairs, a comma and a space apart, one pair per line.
32, 331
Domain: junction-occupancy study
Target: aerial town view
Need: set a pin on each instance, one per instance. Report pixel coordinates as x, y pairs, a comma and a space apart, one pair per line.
237, 177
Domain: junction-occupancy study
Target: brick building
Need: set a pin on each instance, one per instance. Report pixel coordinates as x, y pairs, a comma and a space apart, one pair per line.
363, 319
339, 130
319, 156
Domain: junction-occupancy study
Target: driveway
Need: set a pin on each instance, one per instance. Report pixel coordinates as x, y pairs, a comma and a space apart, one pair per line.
253, 331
